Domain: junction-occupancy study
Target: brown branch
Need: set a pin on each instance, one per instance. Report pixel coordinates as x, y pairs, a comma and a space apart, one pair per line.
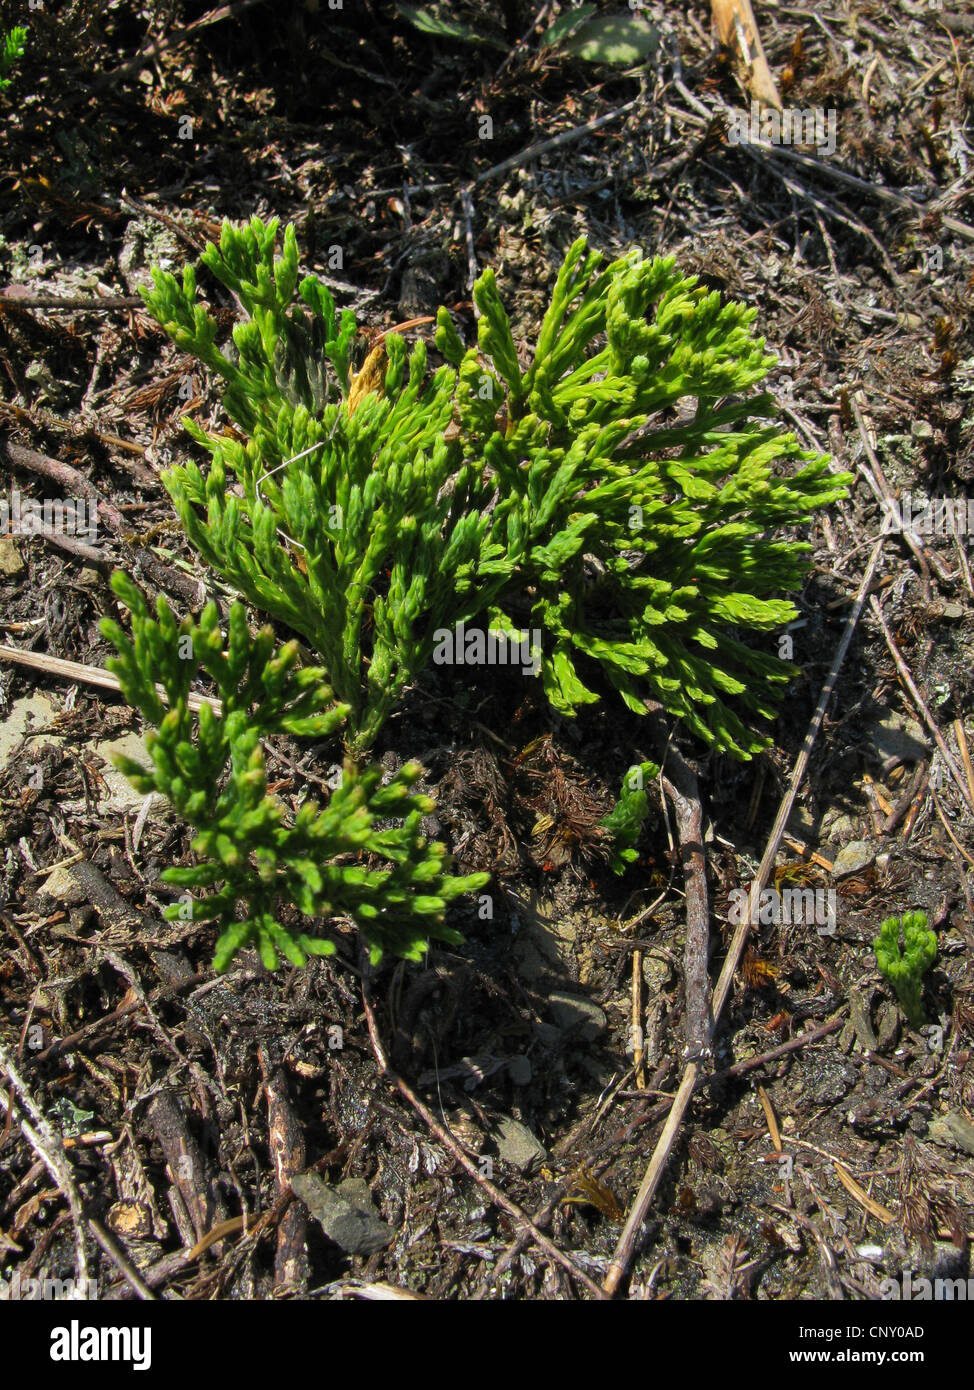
286, 1144
921, 704
737, 30
158, 46
657, 1163
66, 477
499, 1199
92, 675
680, 785
48, 1146
76, 303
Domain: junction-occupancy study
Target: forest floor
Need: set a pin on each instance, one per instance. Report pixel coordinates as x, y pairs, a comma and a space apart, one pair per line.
830, 1146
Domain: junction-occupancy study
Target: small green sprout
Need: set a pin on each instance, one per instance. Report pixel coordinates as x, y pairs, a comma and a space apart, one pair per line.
625, 821
904, 964
12, 47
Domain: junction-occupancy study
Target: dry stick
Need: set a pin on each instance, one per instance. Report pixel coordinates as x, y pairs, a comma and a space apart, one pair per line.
881, 489
626, 1245
824, 205
77, 303
161, 992
447, 1140
286, 1143
875, 190
961, 737
555, 142
71, 480
92, 675
767, 863
827, 170
65, 476
737, 30
656, 1112
738, 1069
528, 34
637, 1018
118, 1257
467, 204
928, 719
680, 785
48, 1147
80, 550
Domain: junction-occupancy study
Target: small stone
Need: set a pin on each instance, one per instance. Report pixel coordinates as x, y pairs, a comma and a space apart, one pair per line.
953, 1131
830, 1084
852, 858
32, 712
345, 1213
547, 1034
656, 973
921, 429
840, 828
861, 1022
11, 561
516, 1144
65, 886
575, 1012
122, 794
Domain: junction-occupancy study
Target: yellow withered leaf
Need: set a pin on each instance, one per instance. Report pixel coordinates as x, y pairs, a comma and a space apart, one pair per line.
588, 1190
370, 378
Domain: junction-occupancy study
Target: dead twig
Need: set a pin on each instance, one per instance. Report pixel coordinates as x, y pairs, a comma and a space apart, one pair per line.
48, 1146
919, 702
65, 476
555, 142
292, 1267
158, 46
121, 1261
680, 784
737, 30
882, 491
92, 675
75, 303
447, 1140
627, 1240
132, 1005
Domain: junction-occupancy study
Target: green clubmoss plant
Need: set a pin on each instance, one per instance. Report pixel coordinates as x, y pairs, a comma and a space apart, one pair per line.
564, 496
649, 544
620, 488
361, 856
363, 529
905, 950
625, 821
12, 45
